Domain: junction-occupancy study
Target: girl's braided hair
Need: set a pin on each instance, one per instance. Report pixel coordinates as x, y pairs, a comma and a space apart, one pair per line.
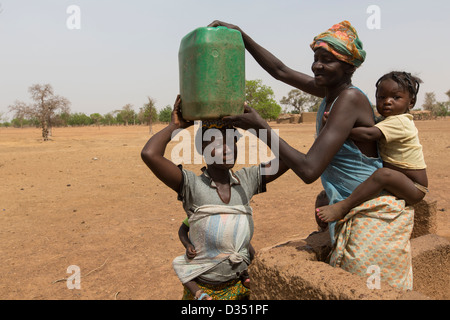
405, 80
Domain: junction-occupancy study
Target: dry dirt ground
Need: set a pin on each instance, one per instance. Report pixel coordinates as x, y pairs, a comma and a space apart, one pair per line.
86, 199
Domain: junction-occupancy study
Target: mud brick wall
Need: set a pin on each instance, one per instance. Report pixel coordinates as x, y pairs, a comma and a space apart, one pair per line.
294, 270
308, 117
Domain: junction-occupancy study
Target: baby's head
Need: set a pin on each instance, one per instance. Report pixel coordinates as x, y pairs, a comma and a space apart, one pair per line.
396, 93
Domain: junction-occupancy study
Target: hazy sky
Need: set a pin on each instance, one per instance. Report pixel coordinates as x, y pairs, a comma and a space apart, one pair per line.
125, 51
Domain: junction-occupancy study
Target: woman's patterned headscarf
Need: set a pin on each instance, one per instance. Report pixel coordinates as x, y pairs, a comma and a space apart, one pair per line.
343, 42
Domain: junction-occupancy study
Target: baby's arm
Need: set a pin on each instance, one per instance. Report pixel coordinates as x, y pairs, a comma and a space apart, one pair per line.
184, 238
366, 134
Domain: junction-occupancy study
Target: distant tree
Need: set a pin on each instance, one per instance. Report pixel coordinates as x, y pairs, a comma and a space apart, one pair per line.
301, 101
126, 114
21, 111
3, 120
79, 119
165, 114
149, 113
447, 104
431, 104
261, 98
20, 123
45, 106
440, 109
96, 119
64, 119
315, 103
429, 101
108, 119
60, 119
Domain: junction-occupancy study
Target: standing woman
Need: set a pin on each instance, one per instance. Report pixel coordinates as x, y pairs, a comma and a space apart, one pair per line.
341, 163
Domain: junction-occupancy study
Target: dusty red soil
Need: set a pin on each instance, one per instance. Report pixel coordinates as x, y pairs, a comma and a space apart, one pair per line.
86, 199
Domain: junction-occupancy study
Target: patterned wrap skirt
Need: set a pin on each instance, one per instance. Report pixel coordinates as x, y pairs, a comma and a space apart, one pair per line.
375, 236
231, 290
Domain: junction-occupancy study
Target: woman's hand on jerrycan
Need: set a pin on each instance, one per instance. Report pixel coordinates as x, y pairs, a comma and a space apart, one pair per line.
177, 117
250, 119
217, 23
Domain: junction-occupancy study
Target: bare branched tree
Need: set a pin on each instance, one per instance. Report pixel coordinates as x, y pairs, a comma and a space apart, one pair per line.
21, 111
301, 101
45, 106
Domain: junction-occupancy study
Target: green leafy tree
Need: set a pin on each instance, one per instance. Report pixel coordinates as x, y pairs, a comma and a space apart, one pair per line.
165, 114
96, 119
126, 114
440, 109
20, 123
149, 114
108, 119
437, 108
261, 98
431, 104
79, 119
64, 118
447, 104
3, 121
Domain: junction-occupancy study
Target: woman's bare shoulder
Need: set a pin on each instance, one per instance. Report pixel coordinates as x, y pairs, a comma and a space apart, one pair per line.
355, 95
354, 100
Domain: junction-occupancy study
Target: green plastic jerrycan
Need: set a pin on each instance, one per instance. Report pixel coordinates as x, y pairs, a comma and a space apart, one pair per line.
212, 73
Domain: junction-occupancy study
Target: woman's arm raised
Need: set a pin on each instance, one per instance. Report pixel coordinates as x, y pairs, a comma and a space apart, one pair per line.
153, 152
274, 66
311, 165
